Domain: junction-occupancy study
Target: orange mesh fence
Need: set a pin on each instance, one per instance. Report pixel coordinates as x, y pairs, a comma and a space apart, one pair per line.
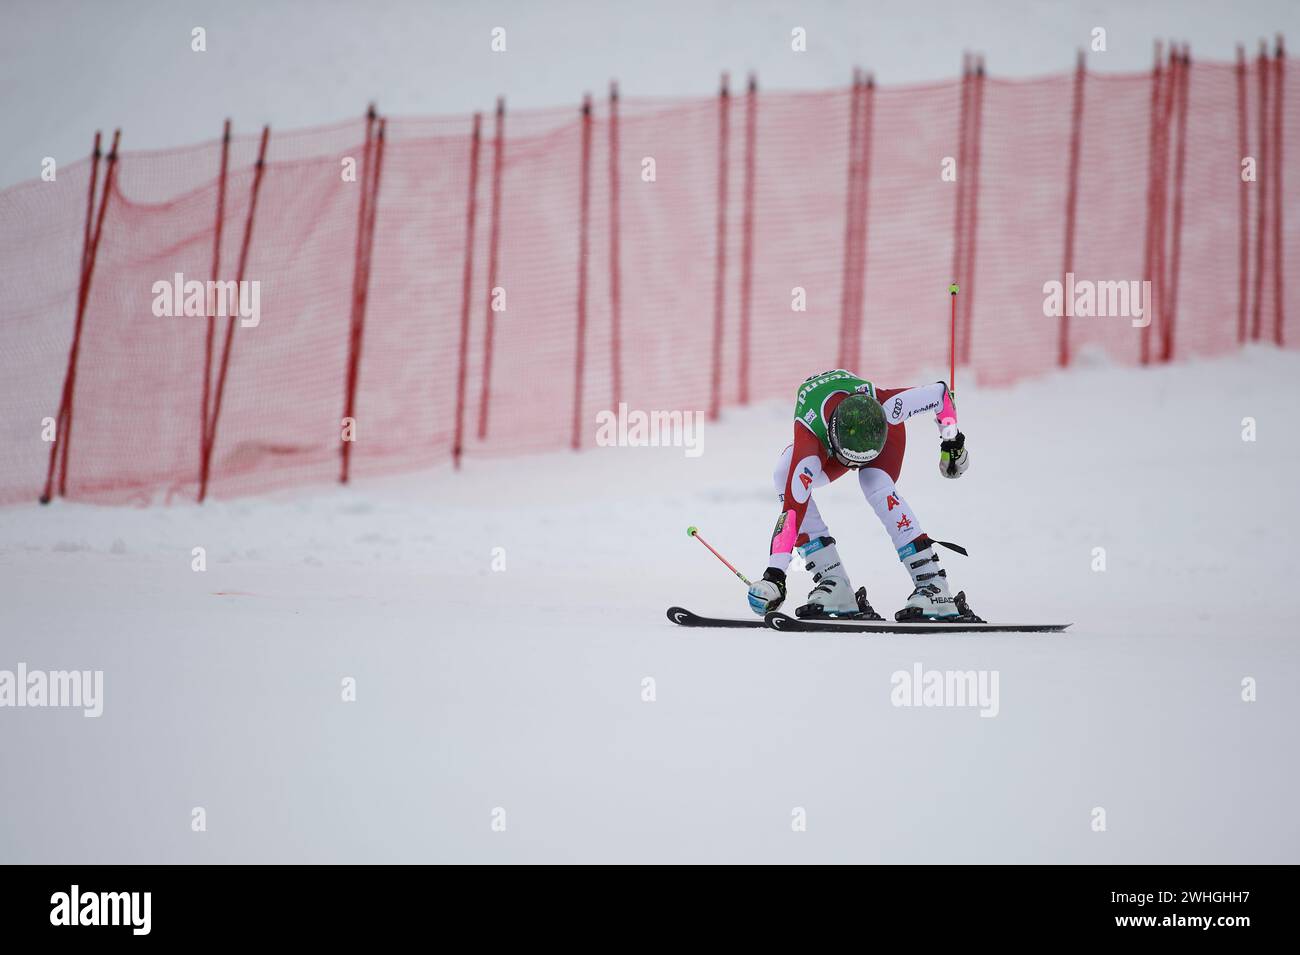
673, 255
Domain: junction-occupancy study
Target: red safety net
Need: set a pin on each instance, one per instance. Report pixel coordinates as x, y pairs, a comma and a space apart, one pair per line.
650, 252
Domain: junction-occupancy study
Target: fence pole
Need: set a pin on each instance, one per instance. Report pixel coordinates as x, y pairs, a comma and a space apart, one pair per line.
584, 240
615, 254
494, 242
357, 335
1071, 204
856, 313
210, 439
466, 288
1164, 103
720, 251
850, 214
1183, 59
967, 301
358, 271
87, 238
963, 134
1149, 264
747, 234
1265, 177
83, 303
216, 276
88, 228
1243, 200
1167, 100
1279, 83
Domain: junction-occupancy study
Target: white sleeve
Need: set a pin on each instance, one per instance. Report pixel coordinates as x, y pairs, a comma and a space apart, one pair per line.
914, 401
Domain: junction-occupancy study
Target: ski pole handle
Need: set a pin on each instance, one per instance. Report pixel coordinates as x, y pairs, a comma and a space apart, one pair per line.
695, 532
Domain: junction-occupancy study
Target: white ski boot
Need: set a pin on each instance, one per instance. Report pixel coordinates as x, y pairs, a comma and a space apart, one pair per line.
833, 595
931, 599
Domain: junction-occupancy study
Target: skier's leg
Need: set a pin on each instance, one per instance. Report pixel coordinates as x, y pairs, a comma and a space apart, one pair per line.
897, 516
930, 595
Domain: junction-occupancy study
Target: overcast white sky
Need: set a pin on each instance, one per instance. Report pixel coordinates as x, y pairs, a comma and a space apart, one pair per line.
70, 66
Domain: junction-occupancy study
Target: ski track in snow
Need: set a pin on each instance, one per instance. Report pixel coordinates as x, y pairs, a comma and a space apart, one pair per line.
521, 688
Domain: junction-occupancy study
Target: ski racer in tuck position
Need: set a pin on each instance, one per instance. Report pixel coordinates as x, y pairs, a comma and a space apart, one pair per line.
844, 423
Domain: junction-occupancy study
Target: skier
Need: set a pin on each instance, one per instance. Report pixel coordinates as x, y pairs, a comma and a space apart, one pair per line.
844, 423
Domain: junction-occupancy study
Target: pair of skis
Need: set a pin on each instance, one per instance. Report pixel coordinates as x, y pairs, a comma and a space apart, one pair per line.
775, 620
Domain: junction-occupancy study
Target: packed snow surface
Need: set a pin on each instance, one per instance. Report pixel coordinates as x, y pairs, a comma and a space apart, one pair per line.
500, 624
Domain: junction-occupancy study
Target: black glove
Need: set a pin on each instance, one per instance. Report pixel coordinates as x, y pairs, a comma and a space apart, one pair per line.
953, 459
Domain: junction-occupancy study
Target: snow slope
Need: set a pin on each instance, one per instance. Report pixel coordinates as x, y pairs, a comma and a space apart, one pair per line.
522, 688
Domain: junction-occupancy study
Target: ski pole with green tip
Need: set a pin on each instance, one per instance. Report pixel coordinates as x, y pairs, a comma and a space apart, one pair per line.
952, 341
695, 532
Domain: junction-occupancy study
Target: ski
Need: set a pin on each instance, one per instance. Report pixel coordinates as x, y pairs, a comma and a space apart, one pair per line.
684, 618
785, 623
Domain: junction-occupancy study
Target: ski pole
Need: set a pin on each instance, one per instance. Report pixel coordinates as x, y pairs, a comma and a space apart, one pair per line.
695, 532
952, 341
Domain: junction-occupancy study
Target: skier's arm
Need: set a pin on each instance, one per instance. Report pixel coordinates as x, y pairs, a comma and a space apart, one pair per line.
901, 405
806, 463
807, 458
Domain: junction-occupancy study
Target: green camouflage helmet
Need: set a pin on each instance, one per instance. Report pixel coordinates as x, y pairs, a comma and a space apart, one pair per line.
857, 430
